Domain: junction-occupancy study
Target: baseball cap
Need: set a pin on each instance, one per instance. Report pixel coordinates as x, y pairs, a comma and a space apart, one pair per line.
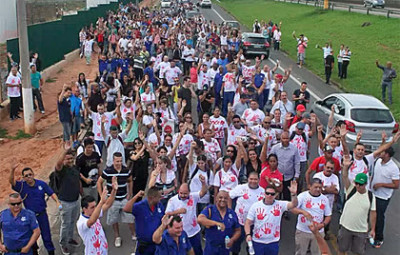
279, 76
300, 125
301, 108
113, 128
328, 148
306, 115
361, 178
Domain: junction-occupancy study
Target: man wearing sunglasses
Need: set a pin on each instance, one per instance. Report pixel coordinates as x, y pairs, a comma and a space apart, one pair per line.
33, 192
359, 204
266, 217
19, 227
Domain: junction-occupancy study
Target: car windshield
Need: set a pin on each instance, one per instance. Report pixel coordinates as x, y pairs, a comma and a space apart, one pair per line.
256, 40
371, 115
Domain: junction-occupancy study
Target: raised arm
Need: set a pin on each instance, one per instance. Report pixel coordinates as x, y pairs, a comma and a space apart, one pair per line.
345, 171
386, 145
293, 194
157, 235
129, 205
263, 155
14, 166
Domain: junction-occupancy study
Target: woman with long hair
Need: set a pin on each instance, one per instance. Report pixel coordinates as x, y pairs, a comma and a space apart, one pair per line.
252, 162
270, 175
83, 85
206, 124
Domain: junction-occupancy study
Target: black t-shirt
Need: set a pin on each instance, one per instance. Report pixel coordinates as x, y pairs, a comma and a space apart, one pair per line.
87, 166
122, 179
94, 100
140, 167
297, 93
205, 105
186, 94
69, 183
329, 60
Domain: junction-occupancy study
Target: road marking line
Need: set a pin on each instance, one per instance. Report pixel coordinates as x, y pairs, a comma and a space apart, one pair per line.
283, 70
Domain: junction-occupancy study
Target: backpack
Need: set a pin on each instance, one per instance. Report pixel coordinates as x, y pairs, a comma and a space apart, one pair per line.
54, 182
364, 159
353, 191
109, 141
302, 134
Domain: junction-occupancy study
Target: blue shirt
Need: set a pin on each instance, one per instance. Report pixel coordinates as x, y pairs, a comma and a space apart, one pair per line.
218, 80
259, 79
17, 231
35, 79
33, 196
147, 221
214, 236
223, 62
168, 245
150, 72
102, 66
76, 105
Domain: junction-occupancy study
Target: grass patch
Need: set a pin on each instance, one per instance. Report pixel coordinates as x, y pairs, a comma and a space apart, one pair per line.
20, 134
380, 40
51, 80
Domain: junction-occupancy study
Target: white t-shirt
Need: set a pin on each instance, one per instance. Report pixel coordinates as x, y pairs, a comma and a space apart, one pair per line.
195, 183
145, 98
293, 129
318, 207
328, 181
189, 219
115, 145
226, 180
253, 116
88, 47
219, 126
203, 79
359, 166
125, 110
96, 117
246, 197
384, 173
212, 73
233, 133
267, 221
224, 40
247, 72
13, 91
148, 119
184, 145
229, 82
285, 108
188, 54
94, 237
302, 146
163, 67
211, 148
171, 73
261, 133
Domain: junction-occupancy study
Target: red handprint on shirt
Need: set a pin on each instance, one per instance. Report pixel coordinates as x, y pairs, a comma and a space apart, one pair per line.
276, 234
260, 213
194, 222
321, 205
190, 202
276, 211
257, 234
233, 178
241, 210
308, 203
96, 244
267, 228
303, 219
246, 196
260, 197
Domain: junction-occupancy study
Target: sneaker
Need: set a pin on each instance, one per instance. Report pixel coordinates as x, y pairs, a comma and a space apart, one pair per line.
377, 244
134, 238
18, 117
65, 250
73, 242
42, 112
118, 242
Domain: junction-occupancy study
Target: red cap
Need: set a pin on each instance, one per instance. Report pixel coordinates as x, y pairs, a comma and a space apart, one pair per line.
301, 108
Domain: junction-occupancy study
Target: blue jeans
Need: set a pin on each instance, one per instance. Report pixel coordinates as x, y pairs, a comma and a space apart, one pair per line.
263, 99
228, 98
99, 144
266, 249
387, 85
66, 131
195, 241
381, 206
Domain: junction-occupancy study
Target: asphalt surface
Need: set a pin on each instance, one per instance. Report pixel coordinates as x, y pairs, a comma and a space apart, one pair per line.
318, 89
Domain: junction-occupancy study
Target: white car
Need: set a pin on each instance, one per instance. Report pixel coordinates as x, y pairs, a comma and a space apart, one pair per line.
205, 4
166, 3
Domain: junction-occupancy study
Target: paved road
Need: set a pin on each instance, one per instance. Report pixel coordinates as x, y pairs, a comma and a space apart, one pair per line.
319, 89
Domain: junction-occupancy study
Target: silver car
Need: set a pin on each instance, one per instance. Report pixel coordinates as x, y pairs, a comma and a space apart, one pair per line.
359, 112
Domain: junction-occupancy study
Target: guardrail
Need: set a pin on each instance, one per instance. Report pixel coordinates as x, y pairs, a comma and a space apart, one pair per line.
389, 13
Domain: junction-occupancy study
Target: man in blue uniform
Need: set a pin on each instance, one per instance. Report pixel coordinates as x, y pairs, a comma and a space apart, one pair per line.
33, 191
170, 237
19, 227
220, 221
148, 214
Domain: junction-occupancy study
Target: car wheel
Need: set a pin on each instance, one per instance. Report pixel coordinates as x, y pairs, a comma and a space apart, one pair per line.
365, 5
383, 6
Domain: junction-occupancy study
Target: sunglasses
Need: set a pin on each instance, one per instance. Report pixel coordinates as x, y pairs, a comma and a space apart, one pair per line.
28, 175
270, 193
265, 122
14, 204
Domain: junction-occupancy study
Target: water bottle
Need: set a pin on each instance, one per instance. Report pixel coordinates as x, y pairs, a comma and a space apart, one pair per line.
371, 240
227, 240
251, 248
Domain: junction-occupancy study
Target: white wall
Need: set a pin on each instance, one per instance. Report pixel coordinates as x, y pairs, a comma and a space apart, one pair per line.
8, 20
94, 3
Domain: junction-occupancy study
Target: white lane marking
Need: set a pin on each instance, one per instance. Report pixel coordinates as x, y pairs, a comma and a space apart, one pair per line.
273, 62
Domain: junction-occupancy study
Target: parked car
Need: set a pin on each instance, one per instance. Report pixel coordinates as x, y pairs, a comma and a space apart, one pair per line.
205, 4
359, 112
254, 44
166, 3
191, 14
231, 23
374, 3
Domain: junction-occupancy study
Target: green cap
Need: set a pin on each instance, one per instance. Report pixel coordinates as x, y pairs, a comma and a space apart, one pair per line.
113, 128
361, 178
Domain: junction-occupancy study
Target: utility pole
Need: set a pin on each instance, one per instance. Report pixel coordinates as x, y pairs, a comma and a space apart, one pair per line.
29, 118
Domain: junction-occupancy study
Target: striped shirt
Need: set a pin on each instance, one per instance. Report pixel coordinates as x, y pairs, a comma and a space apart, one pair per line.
122, 179
346, 57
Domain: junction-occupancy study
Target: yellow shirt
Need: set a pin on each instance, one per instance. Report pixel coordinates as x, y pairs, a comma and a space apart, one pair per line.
175, 92
355, 212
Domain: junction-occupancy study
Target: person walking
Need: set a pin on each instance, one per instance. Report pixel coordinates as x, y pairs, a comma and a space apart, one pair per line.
19, 228
329, 65
37, 84
67, 175
384, 181
64, 113
389, 74
33, 191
